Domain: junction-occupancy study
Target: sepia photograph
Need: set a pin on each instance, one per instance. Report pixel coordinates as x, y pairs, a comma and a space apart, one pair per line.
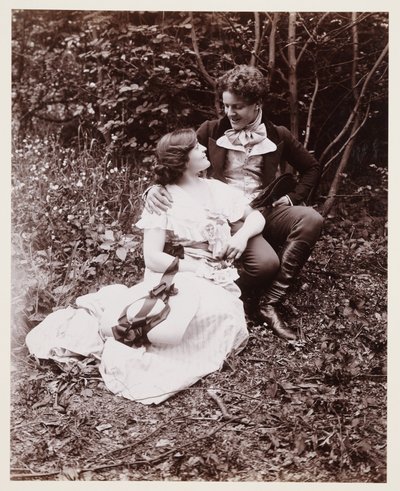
199, 245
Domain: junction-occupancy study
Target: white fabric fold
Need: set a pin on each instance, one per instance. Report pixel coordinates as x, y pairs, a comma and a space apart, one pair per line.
265, 146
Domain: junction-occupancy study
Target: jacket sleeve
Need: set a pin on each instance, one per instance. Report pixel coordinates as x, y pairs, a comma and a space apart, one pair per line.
304, 162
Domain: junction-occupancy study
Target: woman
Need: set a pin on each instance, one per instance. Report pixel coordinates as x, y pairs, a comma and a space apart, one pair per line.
199, 221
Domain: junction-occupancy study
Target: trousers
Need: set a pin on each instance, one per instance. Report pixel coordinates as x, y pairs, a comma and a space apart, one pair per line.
260, 261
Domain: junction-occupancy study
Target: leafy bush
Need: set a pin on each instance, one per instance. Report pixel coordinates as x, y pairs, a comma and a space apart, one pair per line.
73, 216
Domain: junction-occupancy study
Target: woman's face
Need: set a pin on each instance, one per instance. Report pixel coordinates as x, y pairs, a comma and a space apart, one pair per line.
239, 112
198, 160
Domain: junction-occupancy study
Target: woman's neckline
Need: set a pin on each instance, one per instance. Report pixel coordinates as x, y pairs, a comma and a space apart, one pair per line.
202, 203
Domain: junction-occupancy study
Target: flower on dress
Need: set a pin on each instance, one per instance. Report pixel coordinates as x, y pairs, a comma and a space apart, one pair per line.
216, 232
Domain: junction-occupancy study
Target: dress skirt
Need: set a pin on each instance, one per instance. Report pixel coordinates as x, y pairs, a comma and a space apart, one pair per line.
148, 374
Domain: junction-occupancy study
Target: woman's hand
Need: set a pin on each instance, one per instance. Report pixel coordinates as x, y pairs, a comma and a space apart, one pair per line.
235, 247
158, 200
253, 224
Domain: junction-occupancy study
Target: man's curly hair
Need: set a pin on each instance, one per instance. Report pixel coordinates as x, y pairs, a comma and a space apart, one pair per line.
244, 81
172, 154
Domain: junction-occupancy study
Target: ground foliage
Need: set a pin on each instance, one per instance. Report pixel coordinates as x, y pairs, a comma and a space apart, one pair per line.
314, 410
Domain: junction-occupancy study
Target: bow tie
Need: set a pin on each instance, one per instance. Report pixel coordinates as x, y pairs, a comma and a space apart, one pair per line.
247, 136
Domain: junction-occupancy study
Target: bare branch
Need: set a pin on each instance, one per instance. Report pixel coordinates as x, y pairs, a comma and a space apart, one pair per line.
351, 137
357, 105
311, 36
244, 41
310, 110
337, 32
284, 56
200, 63
282, 75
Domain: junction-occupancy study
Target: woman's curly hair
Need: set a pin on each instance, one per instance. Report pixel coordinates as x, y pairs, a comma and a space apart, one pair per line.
172, 155
244, 81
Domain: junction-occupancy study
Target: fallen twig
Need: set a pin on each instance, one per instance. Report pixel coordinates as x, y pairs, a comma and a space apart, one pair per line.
359, 332
137, 442
33, 474
371, 375
225, 413
258, 360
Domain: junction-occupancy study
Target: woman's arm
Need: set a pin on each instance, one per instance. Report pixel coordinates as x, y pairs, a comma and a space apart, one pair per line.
157, 260
254, 224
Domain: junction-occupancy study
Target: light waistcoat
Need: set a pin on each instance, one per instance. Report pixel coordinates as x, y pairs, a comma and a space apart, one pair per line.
244, 160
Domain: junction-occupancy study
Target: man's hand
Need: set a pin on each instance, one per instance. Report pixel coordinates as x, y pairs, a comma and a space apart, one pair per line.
284, 200
158, 200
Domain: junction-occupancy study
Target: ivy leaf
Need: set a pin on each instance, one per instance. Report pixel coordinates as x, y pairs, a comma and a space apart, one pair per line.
106, 246
121, 253
164, 442
101, 258
109, 235
126, 88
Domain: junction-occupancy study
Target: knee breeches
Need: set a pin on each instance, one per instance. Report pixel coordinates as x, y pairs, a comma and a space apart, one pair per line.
283, 224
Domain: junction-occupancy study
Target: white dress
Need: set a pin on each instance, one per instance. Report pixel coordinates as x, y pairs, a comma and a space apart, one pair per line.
151, 374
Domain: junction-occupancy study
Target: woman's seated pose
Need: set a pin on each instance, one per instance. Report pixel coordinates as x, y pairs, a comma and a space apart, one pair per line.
206, 324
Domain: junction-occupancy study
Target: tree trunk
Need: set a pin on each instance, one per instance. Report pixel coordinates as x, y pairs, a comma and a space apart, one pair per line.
292, 78
257, 39
272, 46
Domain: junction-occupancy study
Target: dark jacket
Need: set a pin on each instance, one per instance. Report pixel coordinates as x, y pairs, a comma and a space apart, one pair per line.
288, 150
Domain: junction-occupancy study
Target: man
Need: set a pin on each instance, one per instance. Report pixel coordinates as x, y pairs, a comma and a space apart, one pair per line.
247, 151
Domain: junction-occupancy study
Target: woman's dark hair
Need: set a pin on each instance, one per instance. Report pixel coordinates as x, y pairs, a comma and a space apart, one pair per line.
172, 153
244, 81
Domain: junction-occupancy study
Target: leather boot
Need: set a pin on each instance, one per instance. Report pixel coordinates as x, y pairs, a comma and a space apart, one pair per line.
293, 257
251, 304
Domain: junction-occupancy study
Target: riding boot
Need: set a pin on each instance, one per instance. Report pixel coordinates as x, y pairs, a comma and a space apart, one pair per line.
251, 304
293, 257
250, 299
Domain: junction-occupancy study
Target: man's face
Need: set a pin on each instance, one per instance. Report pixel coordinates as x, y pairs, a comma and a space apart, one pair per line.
239, 112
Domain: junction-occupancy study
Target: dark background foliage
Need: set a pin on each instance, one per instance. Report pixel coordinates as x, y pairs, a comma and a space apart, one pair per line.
125, 78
